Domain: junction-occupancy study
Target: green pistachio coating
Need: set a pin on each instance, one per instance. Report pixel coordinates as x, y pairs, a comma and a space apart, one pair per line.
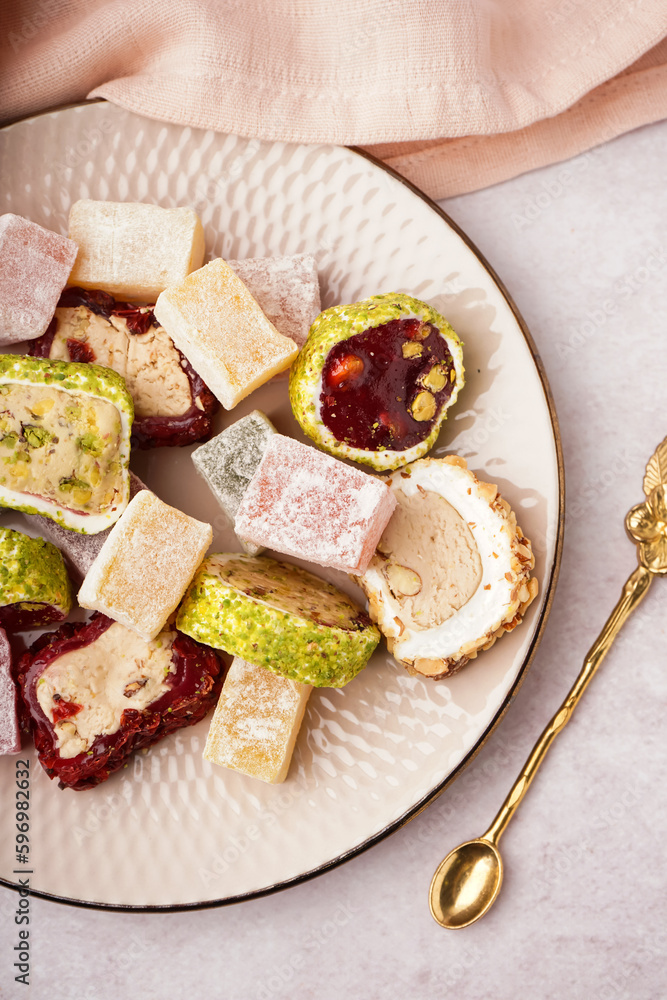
277, 615
32, 575
67, 376
340, 323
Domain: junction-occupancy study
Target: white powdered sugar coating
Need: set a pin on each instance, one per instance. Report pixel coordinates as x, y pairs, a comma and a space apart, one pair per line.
286, 288
219, 327
303, 503
79, 551
256, 721
10, 740
228, 462
145, 565
34, 267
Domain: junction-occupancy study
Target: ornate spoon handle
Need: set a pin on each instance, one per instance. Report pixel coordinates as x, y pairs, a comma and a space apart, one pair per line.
634, 590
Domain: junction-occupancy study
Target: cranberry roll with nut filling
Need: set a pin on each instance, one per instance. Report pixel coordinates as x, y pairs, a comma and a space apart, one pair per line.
94, 692
375, 379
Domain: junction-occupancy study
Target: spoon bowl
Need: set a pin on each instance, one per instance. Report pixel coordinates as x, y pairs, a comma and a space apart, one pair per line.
466, 883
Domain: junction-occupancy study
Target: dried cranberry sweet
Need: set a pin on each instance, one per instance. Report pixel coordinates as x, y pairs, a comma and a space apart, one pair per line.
160, 430
384, 388
193, 689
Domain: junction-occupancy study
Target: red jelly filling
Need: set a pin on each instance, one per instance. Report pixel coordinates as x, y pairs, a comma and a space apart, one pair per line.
194, 690
385, 388
147, 432
28, 615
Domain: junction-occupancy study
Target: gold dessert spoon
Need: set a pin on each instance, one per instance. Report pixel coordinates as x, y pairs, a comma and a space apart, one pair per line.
467, 882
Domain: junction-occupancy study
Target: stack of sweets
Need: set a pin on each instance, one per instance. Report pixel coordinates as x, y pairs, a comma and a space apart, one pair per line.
306, 504
287, 289
216, 323
256, 722
229, 461
79, 551
10, 739
145, 565
134, 250
34, 267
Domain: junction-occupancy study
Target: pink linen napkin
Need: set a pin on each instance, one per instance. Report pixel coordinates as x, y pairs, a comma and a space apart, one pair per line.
456, 94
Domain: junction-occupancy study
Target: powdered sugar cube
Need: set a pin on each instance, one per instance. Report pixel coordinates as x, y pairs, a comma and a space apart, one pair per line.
34, 267
10, 739
228, 462
79, 551
287, 289
219, 327
134, 250
145, 565
304, 503
256, 722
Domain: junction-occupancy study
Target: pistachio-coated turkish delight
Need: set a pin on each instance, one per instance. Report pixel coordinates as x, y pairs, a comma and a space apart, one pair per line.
64, 441
375, 379
34, 586
277, 615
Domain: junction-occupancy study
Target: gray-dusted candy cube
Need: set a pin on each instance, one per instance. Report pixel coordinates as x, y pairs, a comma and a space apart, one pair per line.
80, 551
10, 740
287, 290
228, 461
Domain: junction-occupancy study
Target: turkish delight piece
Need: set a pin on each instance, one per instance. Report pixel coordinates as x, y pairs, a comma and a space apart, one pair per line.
145, 565
256, 722
79, 551
132, 249
94, 692
278, 616
306, 504
172, 405
214, 320
34, 585
229, 460
34, 266
375, 379
10, 738
452, 572
64, 441
287, 289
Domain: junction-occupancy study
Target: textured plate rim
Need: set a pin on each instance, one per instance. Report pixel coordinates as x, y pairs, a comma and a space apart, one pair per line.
550, 588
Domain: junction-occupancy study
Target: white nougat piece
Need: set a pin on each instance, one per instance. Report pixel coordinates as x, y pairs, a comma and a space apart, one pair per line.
133, 250
256, 722
145, 565
219, 327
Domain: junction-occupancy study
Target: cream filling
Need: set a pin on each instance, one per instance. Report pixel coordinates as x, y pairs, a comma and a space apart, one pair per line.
60, 445
432, 563
493, 534
149, 362
118, 671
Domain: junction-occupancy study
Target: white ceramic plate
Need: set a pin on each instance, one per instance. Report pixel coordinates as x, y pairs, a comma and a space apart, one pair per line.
171, 830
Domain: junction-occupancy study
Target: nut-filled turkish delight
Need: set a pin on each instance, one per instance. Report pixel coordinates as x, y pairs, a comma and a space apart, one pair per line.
94, 692
172, 405
64, 441
34, 586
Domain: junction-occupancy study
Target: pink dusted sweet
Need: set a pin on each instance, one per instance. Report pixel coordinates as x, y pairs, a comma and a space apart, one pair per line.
10, 740
34, 267
306, 504
287, 290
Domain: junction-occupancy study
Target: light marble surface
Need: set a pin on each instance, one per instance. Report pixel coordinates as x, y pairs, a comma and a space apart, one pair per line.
582, 248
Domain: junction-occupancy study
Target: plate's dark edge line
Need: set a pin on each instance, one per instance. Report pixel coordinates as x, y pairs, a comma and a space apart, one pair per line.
539, 631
